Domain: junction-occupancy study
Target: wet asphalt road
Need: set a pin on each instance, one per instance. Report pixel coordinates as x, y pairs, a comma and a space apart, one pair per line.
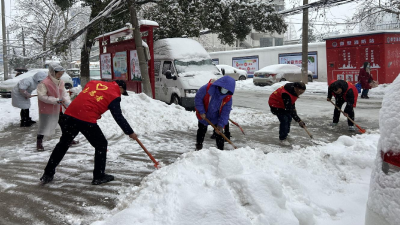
71, 199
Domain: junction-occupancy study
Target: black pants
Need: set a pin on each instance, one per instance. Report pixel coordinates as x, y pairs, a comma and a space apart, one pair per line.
70, 128
285, 120
24, 115
336, 113
201, 132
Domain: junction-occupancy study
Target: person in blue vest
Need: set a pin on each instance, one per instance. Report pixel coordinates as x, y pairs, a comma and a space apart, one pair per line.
344, 92
282, 104
214, 102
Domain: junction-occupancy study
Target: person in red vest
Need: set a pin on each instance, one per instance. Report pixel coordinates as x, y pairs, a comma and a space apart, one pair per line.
51, 96
214, 102
282, 104
344, 92
81, 116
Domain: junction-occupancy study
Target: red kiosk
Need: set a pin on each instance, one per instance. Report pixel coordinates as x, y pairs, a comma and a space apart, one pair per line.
118, 56
346, 55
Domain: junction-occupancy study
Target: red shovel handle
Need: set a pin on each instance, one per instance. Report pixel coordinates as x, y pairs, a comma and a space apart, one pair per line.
237, 126
156, 164
361, 130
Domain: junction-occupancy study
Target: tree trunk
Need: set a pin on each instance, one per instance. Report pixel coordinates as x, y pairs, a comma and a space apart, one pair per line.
85, 59
304, 60
140, 50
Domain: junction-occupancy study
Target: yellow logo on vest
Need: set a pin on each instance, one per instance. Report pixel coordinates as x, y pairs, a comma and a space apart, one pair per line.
101, 87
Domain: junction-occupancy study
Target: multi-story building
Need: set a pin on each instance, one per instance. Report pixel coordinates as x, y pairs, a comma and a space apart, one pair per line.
255, 39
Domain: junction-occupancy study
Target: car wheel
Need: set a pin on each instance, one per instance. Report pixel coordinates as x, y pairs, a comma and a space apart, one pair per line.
175, 100
242, 78
282, 79
310, 79
68, 86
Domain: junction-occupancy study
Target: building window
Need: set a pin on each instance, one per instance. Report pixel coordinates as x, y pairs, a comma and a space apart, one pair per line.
278, 41
266, 42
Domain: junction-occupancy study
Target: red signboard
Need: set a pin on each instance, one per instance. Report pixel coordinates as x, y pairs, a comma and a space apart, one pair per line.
347, 54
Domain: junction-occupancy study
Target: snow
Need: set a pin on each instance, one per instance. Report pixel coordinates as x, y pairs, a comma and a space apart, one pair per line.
384, 194
325, 184
180, 48
316, 185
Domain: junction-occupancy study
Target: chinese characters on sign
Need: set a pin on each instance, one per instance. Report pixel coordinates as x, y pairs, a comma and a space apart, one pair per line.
134, 66
249, 64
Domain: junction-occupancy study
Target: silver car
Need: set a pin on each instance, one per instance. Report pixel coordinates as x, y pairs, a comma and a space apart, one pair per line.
7, 86
277, 73
233, 72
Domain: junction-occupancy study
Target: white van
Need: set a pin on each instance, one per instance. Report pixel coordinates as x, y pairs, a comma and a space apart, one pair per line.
181, 67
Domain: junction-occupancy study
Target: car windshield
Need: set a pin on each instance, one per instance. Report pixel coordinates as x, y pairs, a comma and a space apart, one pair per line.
189, 66
94, 73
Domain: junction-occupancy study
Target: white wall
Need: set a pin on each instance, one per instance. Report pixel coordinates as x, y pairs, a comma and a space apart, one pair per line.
270, 55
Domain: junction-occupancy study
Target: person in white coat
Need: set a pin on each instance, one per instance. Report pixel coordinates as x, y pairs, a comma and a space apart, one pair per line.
21, 94
52, 96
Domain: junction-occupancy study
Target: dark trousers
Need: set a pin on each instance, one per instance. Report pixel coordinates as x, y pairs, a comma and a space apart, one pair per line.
70, 128
336, 113
364, 92
284, 127
24, 115
201, 132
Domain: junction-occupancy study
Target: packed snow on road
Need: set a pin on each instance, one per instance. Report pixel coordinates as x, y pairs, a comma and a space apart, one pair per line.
325, 183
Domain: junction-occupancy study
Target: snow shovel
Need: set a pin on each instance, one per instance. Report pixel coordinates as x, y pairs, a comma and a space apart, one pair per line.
237, 125
361, 130
156, 164
309, 134
220, 133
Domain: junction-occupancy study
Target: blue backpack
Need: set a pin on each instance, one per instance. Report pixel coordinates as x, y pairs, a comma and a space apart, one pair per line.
358, 86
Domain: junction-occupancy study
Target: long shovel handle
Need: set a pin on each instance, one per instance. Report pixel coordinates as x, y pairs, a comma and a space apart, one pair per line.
156, 164
237, 126
361, 130
220, 133
309, 134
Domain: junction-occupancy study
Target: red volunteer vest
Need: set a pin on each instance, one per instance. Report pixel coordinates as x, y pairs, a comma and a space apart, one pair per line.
355, 92
207, 98
275, 99
93, 101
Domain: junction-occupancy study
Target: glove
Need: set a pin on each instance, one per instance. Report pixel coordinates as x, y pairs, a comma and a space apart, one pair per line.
302, 124
328, 99
203, 116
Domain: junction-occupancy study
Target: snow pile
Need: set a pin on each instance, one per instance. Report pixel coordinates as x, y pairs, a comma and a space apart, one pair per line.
384, 192
146, 116
246, 186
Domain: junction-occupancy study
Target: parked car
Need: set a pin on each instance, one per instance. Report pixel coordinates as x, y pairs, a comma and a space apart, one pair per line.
277, 73
73, 72
233, 72
7, 86
383, 204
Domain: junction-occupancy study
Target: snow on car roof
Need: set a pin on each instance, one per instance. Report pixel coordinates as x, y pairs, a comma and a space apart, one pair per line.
180, 48
288, 68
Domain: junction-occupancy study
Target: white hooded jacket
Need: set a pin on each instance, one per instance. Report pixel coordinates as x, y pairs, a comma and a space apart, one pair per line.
21, 92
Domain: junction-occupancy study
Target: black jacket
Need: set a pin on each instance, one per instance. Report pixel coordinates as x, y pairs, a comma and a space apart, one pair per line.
340, 98
287, 101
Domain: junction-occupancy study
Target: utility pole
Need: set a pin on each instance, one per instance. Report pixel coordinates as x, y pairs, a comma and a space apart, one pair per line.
140, 50
304, 59
3, 23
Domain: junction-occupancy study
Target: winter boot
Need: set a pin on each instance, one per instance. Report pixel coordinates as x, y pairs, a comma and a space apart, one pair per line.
39, 145
25, 123
199, 147
352, 128
46, 179
106, 178
334, 124
31, 121
285, 142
